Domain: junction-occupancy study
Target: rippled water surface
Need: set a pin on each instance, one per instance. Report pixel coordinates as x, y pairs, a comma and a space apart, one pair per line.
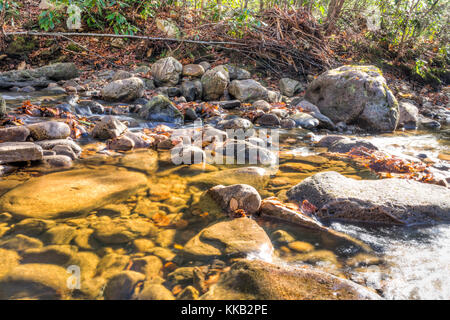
407, 263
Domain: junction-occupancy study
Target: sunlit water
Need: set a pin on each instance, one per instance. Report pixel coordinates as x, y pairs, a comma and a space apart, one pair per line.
415, 261
418, 260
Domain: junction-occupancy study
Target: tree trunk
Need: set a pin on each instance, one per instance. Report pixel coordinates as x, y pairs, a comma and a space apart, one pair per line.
202, 5
334, 11
219, 7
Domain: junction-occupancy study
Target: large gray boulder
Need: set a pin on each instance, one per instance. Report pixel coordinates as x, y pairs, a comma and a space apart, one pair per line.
167, 71
355, 94
19, 151
40, 77
259, 280
248, 90
123, 90
387, 201
214, 83
160, 108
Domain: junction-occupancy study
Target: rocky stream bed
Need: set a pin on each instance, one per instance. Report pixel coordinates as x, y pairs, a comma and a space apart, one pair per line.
334, 189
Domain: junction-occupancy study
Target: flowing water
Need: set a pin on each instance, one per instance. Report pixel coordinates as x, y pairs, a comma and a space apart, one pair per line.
407, 263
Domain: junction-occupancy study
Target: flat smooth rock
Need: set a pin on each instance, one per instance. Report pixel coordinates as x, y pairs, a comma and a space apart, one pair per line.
35, 281
19, 151
259, 280
9, 134
237, 237
387, 201
70, 193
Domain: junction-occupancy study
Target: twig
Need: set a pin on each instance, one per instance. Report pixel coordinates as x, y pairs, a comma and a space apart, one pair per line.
102, 35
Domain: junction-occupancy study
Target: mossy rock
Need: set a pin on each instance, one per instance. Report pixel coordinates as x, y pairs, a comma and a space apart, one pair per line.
20, 46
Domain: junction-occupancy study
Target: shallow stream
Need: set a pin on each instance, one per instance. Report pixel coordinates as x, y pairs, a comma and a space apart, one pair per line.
407, 263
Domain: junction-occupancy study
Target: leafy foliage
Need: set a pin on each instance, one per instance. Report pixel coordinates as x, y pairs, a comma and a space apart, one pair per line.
411, 33
10, 8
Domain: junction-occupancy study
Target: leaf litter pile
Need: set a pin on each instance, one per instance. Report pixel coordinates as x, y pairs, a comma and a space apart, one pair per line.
389, 166
77, 124
280, 41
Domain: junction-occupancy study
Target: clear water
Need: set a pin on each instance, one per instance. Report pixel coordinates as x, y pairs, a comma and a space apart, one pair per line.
415, 262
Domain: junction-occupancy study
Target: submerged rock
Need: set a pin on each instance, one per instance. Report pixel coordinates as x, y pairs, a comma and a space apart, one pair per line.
237, 237
258, 280
8, 260
121, 286
35, 281
154, 291
254, 176
273, 209
116, 231
20, 243
387, 201
70, 193
355, 94
61, 255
